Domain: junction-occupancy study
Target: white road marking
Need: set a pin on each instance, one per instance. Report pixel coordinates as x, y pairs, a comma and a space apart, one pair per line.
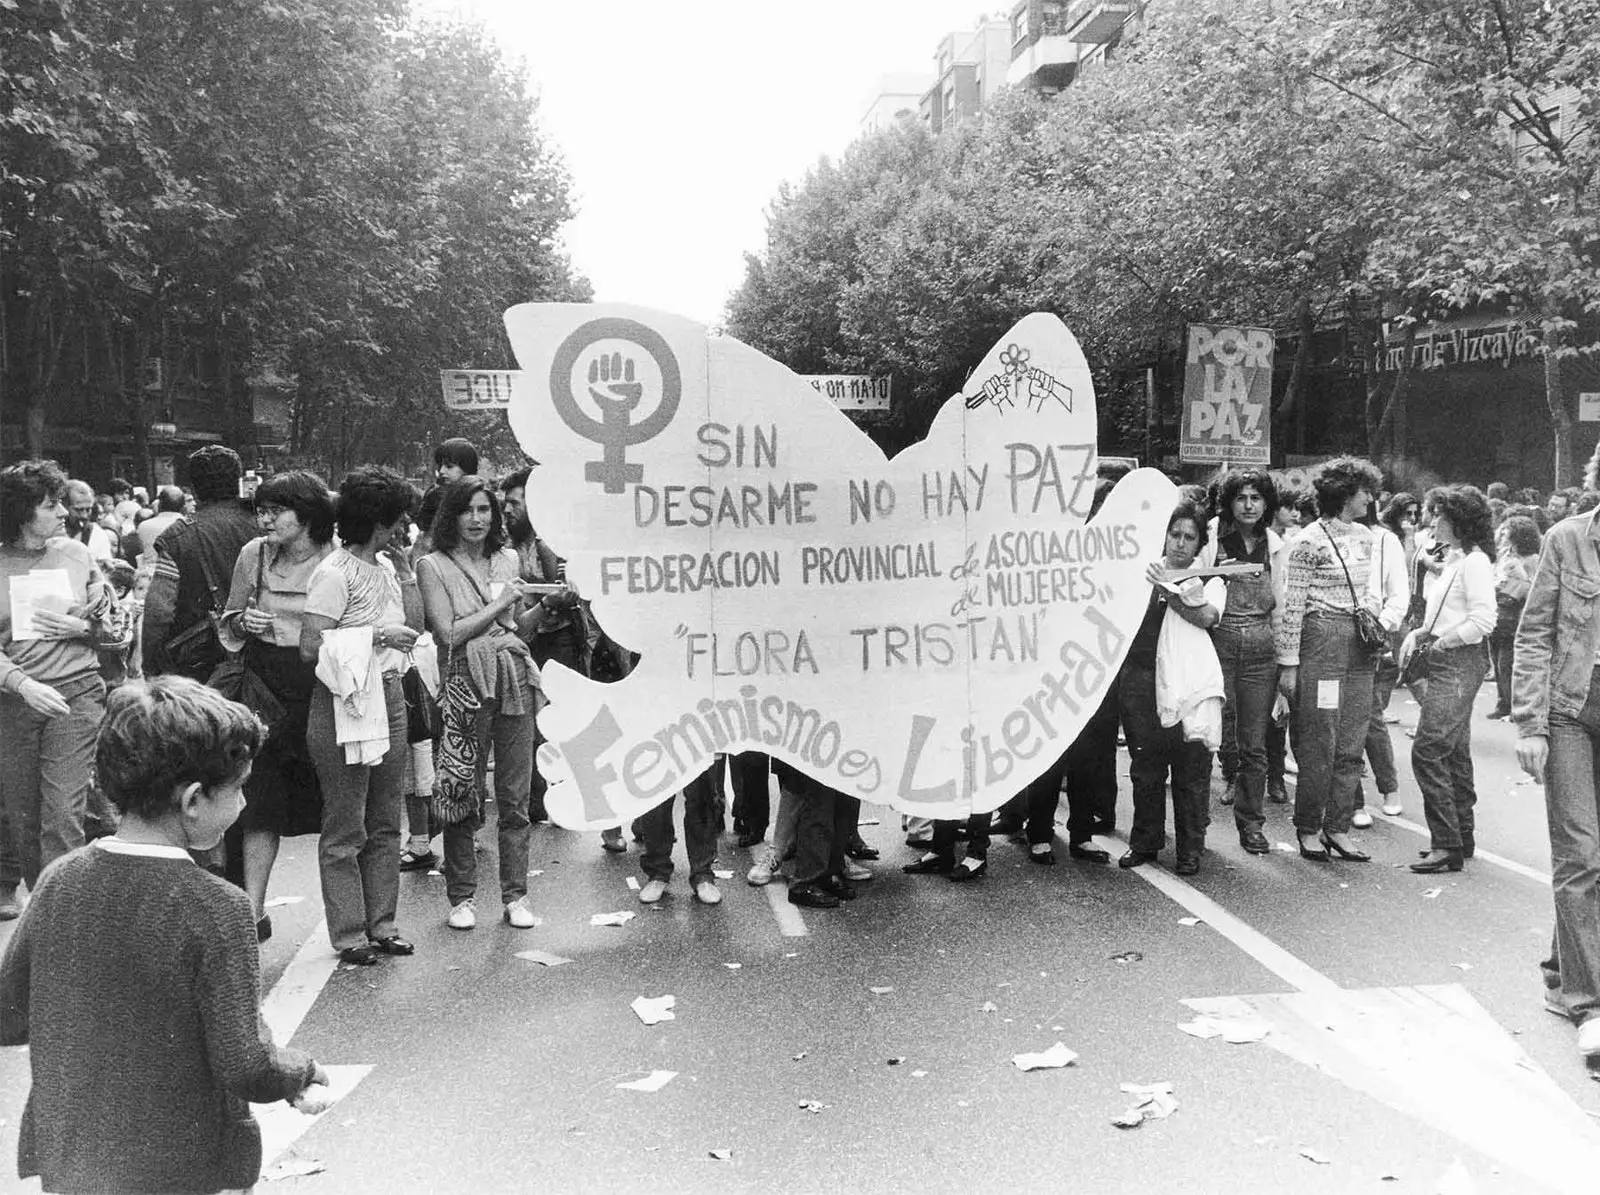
1432, 1052
282, 1126
790, 923
297, 988
1511, 865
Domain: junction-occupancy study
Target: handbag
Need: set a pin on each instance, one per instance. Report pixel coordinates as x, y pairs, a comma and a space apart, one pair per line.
1420, 662
1368, 629
455, 767
422, 712
237, 681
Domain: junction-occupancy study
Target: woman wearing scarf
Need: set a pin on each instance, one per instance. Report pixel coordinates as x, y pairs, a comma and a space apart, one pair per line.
480, 613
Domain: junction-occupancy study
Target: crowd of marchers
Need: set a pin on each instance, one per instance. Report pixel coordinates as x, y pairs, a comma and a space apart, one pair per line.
193, 684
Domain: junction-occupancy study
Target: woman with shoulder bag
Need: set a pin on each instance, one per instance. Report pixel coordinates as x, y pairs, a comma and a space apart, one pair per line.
478, 611
1327, 665
261, 621
1460, 615
362, 618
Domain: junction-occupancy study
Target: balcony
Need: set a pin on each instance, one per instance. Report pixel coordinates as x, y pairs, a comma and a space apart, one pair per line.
1053, 58
1097, 22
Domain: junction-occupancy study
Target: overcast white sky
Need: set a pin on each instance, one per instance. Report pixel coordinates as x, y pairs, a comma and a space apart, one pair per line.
679, 118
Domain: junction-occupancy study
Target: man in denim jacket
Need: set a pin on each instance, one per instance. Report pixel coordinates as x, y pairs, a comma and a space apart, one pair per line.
1556, 706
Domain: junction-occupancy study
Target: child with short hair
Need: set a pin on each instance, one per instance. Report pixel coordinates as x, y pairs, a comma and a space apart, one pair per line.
134, 974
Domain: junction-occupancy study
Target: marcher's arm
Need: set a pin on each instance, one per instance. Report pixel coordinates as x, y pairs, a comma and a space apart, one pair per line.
15, 978
1477, 582
1535, 642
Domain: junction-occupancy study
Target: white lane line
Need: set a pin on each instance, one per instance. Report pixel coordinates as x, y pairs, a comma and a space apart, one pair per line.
1257, 945
297, 988
1511, 865
790, 923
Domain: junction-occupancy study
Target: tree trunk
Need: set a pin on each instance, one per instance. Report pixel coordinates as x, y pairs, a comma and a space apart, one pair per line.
1391, 421
1560, 417
1287, 405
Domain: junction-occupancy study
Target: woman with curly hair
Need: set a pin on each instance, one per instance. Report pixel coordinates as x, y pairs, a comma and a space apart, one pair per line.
1326, 669
52, 697
1247, 503
1460, 615
481, 613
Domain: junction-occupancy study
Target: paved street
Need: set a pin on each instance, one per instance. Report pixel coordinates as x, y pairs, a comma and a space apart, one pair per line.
871, 1047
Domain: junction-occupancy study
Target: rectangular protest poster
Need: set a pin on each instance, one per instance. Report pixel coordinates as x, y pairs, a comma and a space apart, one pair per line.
1227, 397
928, 632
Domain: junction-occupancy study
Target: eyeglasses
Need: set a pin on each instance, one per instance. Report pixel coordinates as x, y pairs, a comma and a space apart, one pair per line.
270, 512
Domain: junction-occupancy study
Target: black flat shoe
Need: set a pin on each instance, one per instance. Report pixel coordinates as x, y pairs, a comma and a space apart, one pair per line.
1089, 854
838, 886
263, 929
810, 896
1349, 856
394, 944
858, 849
1004, 827
1255, 842
359, 956
930, 865
967, 870
1316, 856
1045, 858
1189, 865
1135, 858
1436, 861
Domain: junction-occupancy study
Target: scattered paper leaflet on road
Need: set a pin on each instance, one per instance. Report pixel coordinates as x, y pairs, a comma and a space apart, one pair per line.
929, 632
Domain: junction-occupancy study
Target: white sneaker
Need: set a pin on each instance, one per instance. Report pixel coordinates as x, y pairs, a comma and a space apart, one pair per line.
1361, 819
856, 873
462, 916
1589, 1037
1391, 804
706, 892
652, 892
764, 869
519, 915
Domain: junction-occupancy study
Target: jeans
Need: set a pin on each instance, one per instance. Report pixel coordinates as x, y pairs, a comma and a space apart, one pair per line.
1572, 803
1502, 645
1154, 751
1441, 757
1249, 672
701, 824
1380, 749
44, 783
1333, 705
358, 853
512, 738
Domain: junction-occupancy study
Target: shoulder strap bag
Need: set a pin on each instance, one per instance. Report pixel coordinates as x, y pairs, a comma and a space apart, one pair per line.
1368, 629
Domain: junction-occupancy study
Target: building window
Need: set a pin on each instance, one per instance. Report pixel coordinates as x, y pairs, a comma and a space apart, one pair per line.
1528, 136
1019, 25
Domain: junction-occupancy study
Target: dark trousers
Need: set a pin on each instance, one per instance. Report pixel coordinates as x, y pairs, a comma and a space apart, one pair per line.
1501, 644
752, 801
1333, 706
1155, 752
702, 821
1277, 753
511, 735
1249, 674
1089, 770
1441, 756
944, 837
827, 819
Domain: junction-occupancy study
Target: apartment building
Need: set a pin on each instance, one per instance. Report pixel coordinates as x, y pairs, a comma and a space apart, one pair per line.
1053, 42
969, 68
896, 97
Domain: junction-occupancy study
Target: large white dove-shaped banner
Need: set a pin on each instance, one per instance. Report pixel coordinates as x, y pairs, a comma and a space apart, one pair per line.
929, 632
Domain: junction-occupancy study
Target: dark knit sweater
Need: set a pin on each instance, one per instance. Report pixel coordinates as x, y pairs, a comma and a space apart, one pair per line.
136, 982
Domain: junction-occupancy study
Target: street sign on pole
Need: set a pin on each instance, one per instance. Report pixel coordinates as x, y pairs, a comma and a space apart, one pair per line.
477, 389
851, 391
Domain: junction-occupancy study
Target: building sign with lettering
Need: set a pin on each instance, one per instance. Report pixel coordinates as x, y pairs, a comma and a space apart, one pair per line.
1502, 344
1227, 397
851, 391
929, 632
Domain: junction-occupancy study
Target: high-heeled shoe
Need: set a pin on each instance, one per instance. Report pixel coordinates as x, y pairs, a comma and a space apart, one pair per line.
1348, 855
1316, 856
1437, 861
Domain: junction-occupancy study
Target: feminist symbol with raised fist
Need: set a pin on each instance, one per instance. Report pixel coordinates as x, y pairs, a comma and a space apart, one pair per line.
616, 390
